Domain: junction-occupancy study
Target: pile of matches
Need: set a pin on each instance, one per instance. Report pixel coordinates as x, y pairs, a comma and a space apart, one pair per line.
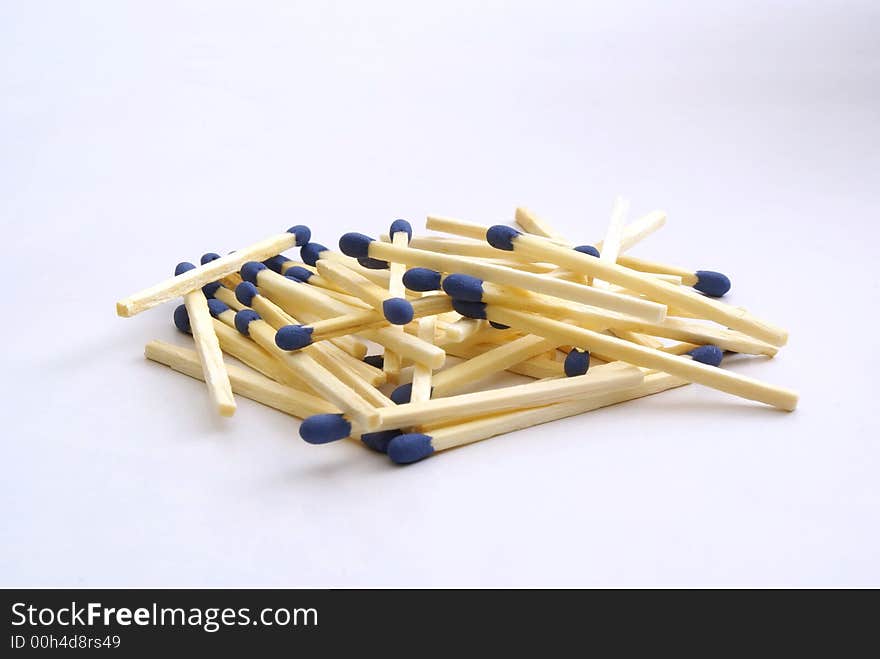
591, 325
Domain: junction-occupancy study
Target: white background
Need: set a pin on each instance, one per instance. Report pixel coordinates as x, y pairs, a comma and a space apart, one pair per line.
136, 135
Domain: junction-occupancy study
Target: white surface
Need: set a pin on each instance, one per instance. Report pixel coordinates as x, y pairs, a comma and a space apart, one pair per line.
135, 135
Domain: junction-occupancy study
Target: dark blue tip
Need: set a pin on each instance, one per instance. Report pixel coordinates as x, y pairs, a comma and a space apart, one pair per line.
293, 278
207, 258
587, 249
376, 361
293, 337
276, 263
216, 307
302, 234
397, 311
324, 428
210, 290
422, 279
311, 252
250, 270
403, 394
713, 284
355, 244
577, 362
373, 264
501, 236
498, 326
464, 287
185, 266
469, 309
710, 355
378, 441
245, 293
244, 318
181, 320
411, 447
301, 273
401, 225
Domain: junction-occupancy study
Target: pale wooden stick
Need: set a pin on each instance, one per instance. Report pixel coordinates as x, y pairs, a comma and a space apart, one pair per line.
378, 277
525, 280
613, 236
392, 362
208, 349
710, 376
688, 277
362, 287
538, 367
463, 329
204, 274
422, 375
249, 384
535, 225
228, 298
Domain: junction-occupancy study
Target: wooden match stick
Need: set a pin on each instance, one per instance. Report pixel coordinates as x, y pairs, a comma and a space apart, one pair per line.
412, 447
538, 368
421, 385
400, 234
729, 382
397, 310
463, 329
210, 272
359, 244
323, 428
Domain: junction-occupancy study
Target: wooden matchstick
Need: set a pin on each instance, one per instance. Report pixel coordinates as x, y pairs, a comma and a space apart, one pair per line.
398, 310
210, 272
400, 234
314, 252
421, 385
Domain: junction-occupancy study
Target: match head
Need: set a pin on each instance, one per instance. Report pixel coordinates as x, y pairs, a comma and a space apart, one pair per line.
245, 293
207, 258
216, 307
311, 252
181, 320
376, 361
408, 448
401, 225
324, 428
397, 311
498, 326
403, 394
299, 272
422, 279
355, 244
713, 284
293, 337
378, 441
587, 249
577, 362
469, 309
501, 236
302, 234
373, 264
244, 318
464, 287
184, 266
276, 262
210, 290
250, 270
709, 354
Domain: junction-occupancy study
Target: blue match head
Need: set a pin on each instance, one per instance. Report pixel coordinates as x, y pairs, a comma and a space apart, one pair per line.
302, 234
587, 249
378, 441
293, 337
376, 361
355, 244
501, 236
469, 309
245, 293
207, 258
276, 263
294, 279
311, 252
216, 307
403, 394
324, 428
422, 279
181, 320
397, 310
210, 290
185, 266
713, 284
464, 287
401, 225
250, 270
710, 355
411, 447
299, 272
577, 362
373, 264
244, 318
498, 326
